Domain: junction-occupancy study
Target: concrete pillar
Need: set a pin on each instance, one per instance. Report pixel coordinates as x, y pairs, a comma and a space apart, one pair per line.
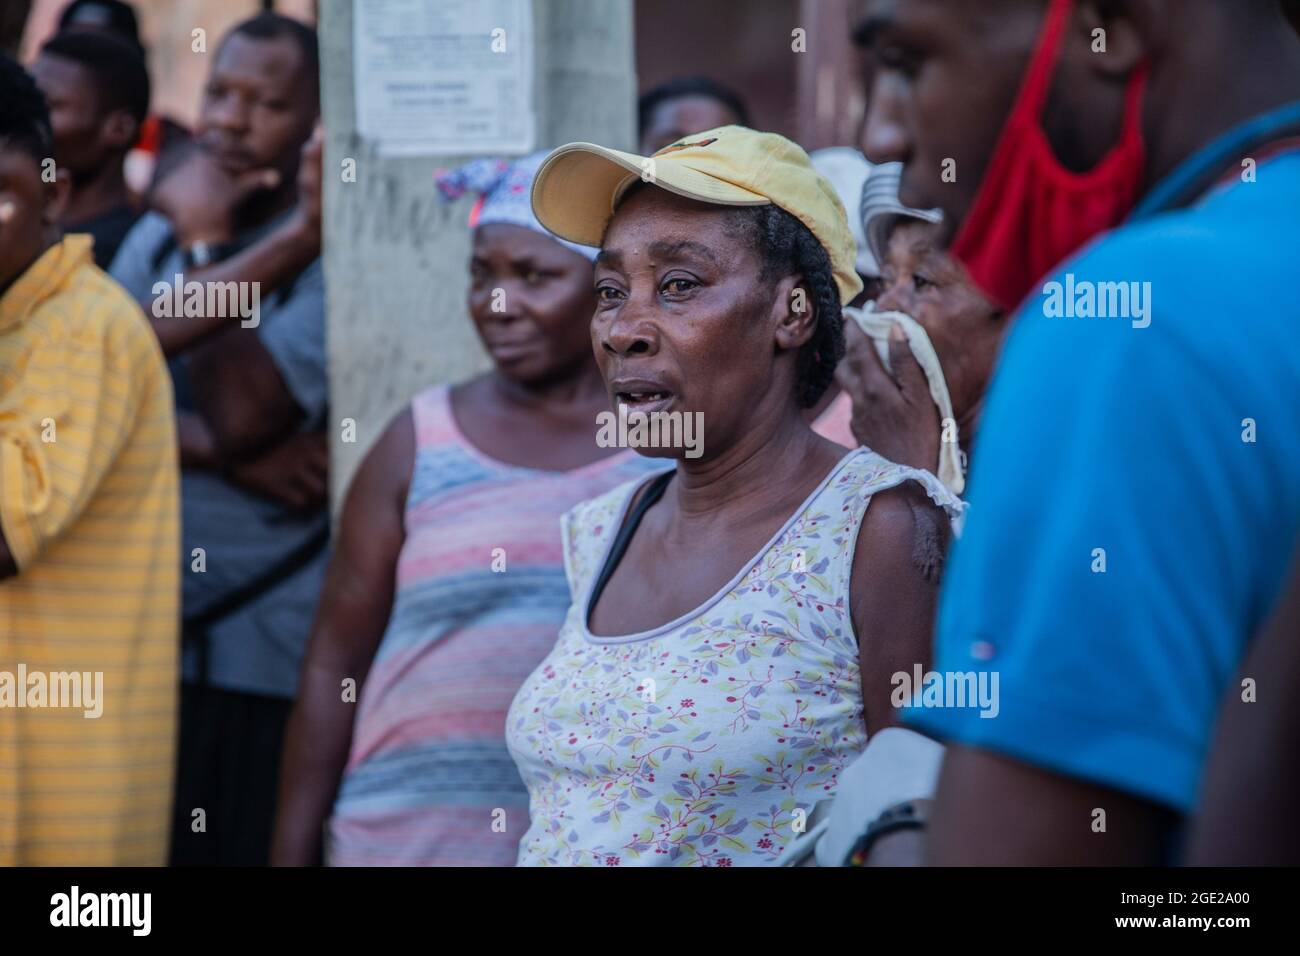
396, 256
831, 100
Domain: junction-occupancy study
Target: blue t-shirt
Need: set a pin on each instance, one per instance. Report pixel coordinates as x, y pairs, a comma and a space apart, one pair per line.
1113, 440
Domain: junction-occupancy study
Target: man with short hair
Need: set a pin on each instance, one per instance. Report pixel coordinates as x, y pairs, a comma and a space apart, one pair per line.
113, 17
89, 539
682, 106
242, 213
98, 91
1133, 496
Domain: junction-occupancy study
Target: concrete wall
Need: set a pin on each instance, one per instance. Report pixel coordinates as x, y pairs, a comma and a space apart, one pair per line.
396, 256
815, 97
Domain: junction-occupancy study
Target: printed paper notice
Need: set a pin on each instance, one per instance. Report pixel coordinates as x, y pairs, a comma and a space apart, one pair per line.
444, 77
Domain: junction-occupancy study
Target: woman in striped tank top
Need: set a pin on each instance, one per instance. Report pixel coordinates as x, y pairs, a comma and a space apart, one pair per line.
447, 586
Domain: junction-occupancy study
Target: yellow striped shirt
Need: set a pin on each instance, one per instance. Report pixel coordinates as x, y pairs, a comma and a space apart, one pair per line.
89, 509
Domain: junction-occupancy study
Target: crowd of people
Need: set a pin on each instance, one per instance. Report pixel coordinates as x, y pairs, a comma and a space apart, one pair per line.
518, 645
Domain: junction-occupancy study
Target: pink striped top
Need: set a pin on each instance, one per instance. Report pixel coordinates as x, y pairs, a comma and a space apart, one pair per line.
481, 594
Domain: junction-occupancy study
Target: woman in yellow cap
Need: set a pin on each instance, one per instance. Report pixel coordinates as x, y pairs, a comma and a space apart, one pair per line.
737, 619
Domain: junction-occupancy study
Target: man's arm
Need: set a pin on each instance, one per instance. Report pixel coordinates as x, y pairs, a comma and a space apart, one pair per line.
198, 449
1258, 740
265, 265
357, 600
242, 395
992, 810
294, 472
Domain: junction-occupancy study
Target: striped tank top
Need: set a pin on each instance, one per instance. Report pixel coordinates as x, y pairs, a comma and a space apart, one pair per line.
480, 596
710, 740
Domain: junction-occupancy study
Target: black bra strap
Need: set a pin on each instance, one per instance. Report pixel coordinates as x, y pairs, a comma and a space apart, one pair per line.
654, 491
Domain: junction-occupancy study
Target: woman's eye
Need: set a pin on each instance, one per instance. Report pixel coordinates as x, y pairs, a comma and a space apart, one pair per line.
921, 282
606, 293
679, 286
532, 277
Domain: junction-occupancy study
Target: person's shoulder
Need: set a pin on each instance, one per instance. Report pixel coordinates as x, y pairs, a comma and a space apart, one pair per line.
1188, 293
93, 315
1238, 226
587, 528
387, 466
910, 519
147, 234
597, 514
92, 305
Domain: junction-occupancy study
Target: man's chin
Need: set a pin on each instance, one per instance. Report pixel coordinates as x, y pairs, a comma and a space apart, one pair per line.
233, 164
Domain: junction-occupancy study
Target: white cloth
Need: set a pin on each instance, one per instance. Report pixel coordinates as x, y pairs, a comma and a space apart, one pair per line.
897, 765
877, 325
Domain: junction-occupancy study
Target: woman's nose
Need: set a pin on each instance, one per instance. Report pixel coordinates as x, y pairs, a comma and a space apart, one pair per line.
892, 299
626, 334
228, 113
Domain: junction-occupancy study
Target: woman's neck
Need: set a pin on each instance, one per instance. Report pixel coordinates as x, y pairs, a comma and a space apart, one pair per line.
99, 193
777, 456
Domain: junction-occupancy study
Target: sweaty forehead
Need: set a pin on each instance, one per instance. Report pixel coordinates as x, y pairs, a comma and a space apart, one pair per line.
692, 113
650, 216
18, 169
915, 236
271, 64
508, 241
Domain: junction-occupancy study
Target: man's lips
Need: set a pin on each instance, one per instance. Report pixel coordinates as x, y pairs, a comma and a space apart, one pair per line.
228, 157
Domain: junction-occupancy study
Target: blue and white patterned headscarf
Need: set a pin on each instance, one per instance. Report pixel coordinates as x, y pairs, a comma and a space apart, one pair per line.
505, 194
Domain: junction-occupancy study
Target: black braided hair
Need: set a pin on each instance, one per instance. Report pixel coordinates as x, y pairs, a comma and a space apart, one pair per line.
787, 247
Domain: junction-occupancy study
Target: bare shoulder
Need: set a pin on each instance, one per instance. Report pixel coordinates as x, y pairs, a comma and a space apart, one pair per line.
903, 527
385, 473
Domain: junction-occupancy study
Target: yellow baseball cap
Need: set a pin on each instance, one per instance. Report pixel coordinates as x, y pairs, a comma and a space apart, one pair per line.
579, 185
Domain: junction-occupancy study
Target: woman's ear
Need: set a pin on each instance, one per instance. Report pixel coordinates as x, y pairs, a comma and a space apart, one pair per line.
795, 313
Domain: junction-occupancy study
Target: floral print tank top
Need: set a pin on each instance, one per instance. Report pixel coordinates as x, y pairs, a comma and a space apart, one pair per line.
707, 741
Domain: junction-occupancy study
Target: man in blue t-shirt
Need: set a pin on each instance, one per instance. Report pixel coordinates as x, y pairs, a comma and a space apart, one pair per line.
1134, 493
226, 263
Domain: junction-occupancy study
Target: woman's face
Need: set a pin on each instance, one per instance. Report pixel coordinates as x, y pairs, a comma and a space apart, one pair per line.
685, 322
921, 280
531, 301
